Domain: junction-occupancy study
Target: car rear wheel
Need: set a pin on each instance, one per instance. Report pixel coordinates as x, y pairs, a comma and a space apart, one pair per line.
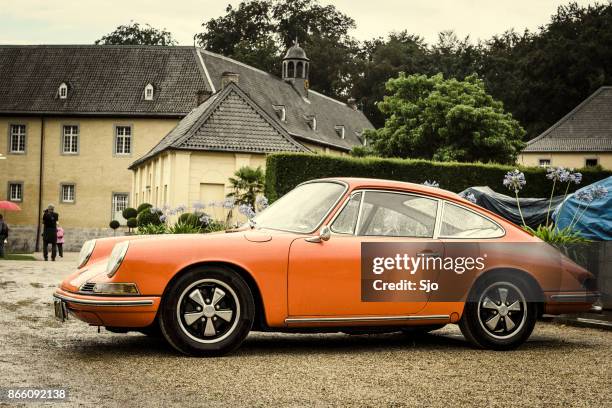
207, 311
498, 314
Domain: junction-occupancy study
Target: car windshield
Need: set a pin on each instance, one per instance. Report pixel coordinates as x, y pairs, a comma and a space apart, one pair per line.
302, 209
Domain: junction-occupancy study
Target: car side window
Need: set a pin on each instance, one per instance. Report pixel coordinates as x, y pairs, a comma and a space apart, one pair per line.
347, 219
397, 215
458, 222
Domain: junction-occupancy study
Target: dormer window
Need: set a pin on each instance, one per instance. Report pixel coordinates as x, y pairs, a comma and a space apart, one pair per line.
63, 91
148, 92
361, 138
280, 111
312, 122
340, 131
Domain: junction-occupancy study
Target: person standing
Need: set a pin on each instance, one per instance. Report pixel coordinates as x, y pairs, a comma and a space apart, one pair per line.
50, 219
4, 231
60, 241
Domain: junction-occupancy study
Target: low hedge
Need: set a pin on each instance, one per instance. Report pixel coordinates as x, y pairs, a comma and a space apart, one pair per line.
286, 170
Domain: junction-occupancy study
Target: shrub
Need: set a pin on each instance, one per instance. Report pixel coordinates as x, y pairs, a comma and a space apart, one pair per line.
132, 222
143, 207
184, 228
184, 217
151, 229
114, 224
129, 213
286, 170
214, 226
147, 217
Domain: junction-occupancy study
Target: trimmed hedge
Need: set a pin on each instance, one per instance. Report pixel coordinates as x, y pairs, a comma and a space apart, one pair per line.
286, 170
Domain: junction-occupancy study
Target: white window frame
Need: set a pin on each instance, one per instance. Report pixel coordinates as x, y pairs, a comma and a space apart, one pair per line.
63, 91
123, 137
543, 164
18, 197
18, 131
115, 203
312, 122
340, 131
281, 112
74, 139
65, 198
149, 92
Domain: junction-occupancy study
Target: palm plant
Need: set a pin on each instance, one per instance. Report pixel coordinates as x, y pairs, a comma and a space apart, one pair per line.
246, 185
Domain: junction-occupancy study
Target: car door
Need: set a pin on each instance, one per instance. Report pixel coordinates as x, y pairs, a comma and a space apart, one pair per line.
325, 278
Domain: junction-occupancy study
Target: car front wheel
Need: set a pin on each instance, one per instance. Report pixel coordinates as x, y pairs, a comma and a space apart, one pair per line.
498, 314
207, 311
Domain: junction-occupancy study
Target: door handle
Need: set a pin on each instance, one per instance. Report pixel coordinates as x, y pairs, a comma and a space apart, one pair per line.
425, 254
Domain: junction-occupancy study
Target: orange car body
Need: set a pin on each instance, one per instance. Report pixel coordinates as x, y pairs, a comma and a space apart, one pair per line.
299, 284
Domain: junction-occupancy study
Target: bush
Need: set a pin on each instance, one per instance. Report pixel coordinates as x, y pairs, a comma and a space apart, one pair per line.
151, 229
286, 170
146, 217
142, 207
214, 226
184, 217
129, 213
132, 222
114, 224
184, 228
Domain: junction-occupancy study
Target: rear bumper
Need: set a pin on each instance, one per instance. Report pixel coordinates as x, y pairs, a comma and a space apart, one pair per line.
569, 302
115, 311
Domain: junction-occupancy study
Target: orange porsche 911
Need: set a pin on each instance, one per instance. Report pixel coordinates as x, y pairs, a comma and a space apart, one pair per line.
332, 255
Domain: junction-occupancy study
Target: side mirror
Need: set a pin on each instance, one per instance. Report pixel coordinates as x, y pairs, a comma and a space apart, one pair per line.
324, 235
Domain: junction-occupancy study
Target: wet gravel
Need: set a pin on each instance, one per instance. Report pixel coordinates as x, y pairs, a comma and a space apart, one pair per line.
559, 366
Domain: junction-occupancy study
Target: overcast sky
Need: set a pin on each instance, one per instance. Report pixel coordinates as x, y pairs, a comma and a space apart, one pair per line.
84, 21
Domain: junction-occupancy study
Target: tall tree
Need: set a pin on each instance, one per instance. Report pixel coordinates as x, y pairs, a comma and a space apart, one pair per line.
135, 34
434, 118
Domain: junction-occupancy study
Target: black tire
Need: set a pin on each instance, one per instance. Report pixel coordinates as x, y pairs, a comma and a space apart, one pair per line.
503, 322
207, 312
421, 330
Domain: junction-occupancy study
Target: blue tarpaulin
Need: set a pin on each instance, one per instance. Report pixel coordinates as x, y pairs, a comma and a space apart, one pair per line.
594, 220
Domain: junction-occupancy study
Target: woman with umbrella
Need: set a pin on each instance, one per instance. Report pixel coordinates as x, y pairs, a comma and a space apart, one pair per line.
4, 230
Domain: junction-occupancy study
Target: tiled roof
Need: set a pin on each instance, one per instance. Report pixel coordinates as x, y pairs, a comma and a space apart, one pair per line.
587, 128
101, 79
268, 90
228, 121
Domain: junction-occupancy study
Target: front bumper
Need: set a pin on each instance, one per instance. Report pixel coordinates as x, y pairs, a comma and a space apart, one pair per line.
112, 311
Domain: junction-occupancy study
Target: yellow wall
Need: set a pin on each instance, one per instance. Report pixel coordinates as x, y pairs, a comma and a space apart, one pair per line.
96, 170
322, 149
574, 160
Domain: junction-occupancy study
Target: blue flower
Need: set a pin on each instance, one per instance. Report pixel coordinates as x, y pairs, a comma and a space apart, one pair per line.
514, 180
584, 195
198, 205
470, 197
162, 218
432, 183
205, 219
228, 203
154, 210
575, 178
246, 210
599, 192
262, 202
180, 208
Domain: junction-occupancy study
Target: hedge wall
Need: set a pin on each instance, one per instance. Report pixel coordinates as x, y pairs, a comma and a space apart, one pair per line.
286, 170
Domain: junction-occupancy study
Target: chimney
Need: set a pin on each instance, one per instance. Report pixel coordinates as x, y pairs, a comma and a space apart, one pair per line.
352, 103
201, 97
228, 77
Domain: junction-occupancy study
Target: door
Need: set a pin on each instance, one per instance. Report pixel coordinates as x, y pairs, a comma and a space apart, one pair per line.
329, 279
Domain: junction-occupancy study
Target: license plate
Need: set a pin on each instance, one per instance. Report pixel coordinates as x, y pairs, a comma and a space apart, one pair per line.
61, 313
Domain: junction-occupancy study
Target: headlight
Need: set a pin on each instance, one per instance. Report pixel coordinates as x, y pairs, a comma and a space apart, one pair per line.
116, 257
86, 251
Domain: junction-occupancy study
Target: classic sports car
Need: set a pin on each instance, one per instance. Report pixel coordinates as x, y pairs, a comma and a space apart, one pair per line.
332, 255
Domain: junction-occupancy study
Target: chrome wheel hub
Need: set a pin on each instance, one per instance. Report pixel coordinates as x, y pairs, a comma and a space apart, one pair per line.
502, 310
208, 310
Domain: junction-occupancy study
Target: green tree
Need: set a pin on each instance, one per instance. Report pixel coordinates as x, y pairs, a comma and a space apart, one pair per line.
447, 120
258, 32
246, 185
135, 34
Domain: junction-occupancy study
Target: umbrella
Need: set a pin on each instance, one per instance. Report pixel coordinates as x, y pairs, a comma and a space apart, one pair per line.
9, 206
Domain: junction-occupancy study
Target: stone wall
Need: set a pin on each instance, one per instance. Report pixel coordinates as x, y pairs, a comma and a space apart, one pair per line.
22, 238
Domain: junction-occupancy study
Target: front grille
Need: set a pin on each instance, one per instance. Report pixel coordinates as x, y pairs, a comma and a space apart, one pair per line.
87, 287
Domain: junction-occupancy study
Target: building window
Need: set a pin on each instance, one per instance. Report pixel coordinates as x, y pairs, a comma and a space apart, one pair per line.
340, 131
591, 162
312, 122
15, 191
67, 193
120, 203
544, 162
70, 139
148, 92
123, 140
17, 139
281, 112
63, 91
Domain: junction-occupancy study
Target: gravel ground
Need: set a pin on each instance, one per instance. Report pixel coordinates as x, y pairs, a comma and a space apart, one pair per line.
559, 366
